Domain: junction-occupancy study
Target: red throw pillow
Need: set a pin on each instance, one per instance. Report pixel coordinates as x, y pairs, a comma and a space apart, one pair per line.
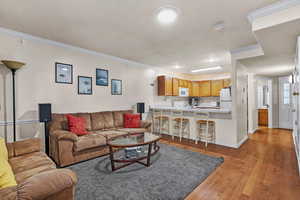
132, 120
77, 125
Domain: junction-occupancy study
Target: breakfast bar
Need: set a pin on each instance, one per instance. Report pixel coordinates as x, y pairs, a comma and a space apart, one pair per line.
221, 118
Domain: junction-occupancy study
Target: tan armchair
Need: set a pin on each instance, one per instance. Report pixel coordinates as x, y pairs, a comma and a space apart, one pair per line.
36, 174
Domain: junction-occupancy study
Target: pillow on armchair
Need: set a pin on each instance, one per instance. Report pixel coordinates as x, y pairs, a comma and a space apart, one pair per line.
132, 120
77, 125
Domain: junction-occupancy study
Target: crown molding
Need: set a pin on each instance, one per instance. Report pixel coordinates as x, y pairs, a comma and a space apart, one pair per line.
68, 46
269, 10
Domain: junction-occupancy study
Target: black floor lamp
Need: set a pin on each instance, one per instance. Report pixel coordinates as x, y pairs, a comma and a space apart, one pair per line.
13, 66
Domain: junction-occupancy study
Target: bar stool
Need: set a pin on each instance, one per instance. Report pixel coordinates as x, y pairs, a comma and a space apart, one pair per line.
180, 125
206, 132
160, 122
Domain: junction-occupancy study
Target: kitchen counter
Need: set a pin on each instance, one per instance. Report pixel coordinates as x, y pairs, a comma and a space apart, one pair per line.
224, 125
206, 110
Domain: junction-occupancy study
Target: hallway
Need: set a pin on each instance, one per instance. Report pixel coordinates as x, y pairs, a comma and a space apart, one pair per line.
263, 168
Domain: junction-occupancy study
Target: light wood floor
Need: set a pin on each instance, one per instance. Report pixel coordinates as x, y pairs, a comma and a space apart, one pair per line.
263, 168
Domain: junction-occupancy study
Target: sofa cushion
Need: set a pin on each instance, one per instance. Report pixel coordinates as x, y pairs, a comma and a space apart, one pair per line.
59, 122
97, 121
30, 161
133, 130
77, 125
87, 117
102, 120
108, 120
30, 164
111, 133
89, 141
119, 117
27, 146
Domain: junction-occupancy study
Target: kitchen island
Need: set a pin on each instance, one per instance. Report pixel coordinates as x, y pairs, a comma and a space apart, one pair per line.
224, 125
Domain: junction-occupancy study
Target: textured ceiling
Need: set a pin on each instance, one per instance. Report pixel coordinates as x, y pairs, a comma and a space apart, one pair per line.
128, 28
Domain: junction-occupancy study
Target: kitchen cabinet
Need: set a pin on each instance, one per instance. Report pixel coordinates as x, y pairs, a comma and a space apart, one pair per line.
204, 88
216, 87
165, 86
195, 89
263, 117
226, 83
183, 83
175, 82
190, 87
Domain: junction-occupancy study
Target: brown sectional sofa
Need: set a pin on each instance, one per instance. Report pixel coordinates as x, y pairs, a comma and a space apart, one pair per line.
36, 174
66, 148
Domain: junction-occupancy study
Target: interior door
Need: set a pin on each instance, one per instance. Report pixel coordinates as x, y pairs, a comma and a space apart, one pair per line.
285, 103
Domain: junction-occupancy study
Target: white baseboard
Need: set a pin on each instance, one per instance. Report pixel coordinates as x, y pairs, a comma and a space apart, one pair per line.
242, 141
253, 130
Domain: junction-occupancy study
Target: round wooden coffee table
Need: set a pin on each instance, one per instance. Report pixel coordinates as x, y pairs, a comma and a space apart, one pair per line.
132, 142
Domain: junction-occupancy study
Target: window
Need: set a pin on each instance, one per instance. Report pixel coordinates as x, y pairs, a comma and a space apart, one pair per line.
286, 93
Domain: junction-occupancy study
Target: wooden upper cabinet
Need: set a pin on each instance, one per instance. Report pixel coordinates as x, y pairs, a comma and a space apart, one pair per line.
195, 89
165, 86
216, 87
226, 83
175, 87
183, 83
204, 88
190, 87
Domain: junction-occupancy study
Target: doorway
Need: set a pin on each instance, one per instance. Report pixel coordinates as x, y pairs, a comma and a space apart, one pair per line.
285, 103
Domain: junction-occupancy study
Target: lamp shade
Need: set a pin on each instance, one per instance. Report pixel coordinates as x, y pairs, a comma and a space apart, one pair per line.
14, 65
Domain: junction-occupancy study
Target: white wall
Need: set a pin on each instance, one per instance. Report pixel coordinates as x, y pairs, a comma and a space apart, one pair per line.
239, 101
252, 103
35, 83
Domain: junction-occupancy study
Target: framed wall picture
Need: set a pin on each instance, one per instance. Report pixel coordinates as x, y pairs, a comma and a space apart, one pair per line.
102, 77
85, 85
63, 73
116, 87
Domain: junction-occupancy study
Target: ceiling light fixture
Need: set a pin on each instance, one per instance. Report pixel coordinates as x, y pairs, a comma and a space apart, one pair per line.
206, 69
167, 15
177, 67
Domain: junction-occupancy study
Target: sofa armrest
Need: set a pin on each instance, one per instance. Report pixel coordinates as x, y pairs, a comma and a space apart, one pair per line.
64, 135
46, 184
9, 193
24, 147
145, 124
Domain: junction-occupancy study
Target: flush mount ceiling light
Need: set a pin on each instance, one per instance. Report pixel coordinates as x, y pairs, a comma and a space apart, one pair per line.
206, 69
177, 66
167, 15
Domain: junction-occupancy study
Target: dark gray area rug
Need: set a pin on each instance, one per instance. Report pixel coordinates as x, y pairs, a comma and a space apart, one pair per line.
174, 173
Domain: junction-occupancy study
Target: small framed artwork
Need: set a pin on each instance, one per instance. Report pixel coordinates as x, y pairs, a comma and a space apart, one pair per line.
116, 87
85, 85
102, 77
63, 73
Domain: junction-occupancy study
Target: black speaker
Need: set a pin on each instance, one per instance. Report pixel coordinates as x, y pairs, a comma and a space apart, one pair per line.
140, 107
45, 112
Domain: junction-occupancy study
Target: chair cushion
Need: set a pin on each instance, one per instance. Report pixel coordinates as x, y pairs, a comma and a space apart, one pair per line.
77, 125
3, 150
30, 161
132, 120
119, 118
88, 141
111, 133
133, 130
7, 178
